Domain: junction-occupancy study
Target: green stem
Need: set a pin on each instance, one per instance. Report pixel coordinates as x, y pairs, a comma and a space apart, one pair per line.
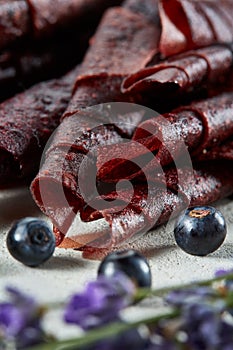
103, 333
143, 293
54, 305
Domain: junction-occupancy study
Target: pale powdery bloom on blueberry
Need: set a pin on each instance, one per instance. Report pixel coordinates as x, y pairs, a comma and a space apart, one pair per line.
100, 302
19, 321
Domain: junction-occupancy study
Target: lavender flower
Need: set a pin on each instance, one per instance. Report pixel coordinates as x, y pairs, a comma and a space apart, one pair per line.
11, 320
100, 302
222, 272
19, 320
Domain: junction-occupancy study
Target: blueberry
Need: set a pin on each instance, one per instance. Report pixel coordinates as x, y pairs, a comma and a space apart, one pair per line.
129, 262
200, 230
31, 241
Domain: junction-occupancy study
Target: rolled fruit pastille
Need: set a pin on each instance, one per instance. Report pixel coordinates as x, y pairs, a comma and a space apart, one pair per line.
201, 125
182, 73
120, 35
20, 19
100, 82
56, 188
26, 122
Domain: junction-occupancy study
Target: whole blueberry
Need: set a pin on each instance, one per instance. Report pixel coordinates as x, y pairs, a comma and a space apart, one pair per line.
31, 241
200, 230
129, 262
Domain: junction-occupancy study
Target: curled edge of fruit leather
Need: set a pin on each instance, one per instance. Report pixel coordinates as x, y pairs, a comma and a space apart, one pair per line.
189, 24
181, 73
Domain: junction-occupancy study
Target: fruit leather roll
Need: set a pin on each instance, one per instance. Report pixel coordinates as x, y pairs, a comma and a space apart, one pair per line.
62, 185
26, 122
123, 42
148, 205
188, 24
40, 18
199, 126
182, 73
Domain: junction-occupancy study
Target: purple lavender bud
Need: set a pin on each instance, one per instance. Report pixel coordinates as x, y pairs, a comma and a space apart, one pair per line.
222, 272
19, 298
11, 320
32, 335
100, 302
19, 320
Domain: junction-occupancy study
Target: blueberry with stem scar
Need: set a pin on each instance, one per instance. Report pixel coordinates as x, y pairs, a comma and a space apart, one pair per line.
200, 230
31, 241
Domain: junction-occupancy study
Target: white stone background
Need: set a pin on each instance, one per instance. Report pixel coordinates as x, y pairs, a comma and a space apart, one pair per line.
67, 271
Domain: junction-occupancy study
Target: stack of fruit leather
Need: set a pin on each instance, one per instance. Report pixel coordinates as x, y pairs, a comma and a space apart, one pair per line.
172, 56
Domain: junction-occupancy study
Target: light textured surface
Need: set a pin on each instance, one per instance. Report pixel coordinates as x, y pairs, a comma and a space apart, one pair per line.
67, 271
